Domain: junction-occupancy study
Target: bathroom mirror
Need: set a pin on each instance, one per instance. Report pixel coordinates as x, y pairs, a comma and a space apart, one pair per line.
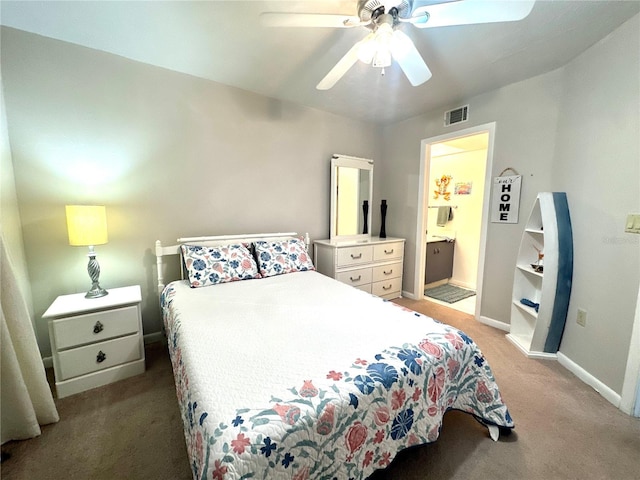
351, 197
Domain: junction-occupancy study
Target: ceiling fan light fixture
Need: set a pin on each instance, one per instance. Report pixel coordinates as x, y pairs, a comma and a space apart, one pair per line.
382, 41
367, 51
382, 58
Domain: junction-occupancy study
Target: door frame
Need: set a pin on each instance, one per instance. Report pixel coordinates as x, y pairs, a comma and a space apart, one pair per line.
630, 397
423, 188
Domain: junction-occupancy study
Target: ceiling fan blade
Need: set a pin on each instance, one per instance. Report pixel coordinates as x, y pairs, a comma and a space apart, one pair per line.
274, 19
343, 65
417, 19
406, 54
467, 12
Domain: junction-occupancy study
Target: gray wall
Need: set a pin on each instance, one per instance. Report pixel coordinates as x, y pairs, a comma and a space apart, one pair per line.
526, 116
575, 130
168, 154
597, 162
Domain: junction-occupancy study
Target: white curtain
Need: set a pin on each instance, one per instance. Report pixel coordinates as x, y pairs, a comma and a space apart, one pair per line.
26, 398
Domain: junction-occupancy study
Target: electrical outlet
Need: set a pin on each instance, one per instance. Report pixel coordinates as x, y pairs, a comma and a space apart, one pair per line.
582, 317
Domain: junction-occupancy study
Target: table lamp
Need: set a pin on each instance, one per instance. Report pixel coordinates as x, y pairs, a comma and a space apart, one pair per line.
87, 227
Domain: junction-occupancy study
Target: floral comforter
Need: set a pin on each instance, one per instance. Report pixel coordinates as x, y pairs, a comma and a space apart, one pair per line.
301, 377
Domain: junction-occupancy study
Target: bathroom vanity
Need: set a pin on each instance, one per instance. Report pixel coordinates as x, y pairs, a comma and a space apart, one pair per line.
439, 259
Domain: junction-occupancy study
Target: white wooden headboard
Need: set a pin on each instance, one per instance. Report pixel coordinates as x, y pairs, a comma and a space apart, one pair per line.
212, 241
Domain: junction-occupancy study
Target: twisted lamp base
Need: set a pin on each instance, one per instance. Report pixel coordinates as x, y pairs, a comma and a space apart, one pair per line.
93, 268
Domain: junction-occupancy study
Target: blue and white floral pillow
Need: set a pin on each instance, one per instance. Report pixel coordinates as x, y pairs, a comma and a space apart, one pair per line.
283, 256
213, 265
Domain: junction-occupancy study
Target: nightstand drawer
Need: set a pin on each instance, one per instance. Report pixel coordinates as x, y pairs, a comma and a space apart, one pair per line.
384, 288
356, 277
94, 327
384, 272
387, 251
98, 356
354, 255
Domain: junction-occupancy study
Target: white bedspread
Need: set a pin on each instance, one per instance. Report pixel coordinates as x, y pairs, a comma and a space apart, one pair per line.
300, 376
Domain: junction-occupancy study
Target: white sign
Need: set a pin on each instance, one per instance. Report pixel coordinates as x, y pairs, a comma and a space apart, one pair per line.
506, 199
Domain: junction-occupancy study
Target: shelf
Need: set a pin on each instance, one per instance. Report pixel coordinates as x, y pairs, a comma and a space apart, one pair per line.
522, 342
548, 230
528, 270
528, 310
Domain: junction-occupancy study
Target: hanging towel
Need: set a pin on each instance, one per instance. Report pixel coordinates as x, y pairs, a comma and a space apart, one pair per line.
444, 213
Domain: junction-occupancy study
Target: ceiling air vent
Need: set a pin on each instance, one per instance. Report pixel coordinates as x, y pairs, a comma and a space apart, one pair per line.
457, 115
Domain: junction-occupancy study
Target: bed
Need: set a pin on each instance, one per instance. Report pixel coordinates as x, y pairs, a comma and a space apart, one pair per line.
289, 374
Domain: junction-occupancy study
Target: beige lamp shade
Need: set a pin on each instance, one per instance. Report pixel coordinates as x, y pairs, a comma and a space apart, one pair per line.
87, 225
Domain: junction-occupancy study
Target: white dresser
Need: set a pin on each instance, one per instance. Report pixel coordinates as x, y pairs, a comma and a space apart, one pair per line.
374, 265
95, 341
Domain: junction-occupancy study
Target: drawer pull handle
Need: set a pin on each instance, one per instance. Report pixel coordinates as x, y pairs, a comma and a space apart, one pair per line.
386, 288
355, 279
389, 252
355, 257
98, 327
388, 273
101, 357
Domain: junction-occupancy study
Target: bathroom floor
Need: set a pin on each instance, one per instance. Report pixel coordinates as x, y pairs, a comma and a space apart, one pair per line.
467, 305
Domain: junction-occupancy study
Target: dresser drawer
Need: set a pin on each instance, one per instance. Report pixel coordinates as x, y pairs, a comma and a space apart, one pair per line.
386, 287
354, 255
385, 272
388, 251
364, 288
93, 327
360, 276
81, 360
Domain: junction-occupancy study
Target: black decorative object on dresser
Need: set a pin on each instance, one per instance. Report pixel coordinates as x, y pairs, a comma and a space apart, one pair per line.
383, 212
365, 212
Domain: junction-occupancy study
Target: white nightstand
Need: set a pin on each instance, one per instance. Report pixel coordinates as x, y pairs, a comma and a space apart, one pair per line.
95, 341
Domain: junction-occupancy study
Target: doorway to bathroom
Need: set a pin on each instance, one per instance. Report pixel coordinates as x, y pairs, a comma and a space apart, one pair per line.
452, 217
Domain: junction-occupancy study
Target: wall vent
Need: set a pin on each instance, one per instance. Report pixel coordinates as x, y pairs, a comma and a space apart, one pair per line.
457, 115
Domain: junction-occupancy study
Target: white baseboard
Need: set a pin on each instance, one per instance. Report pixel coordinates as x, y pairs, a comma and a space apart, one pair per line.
406, 294
495, 323
589, 379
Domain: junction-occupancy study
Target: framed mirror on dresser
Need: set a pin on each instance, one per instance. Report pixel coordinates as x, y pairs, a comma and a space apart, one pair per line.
351, 254
351, 197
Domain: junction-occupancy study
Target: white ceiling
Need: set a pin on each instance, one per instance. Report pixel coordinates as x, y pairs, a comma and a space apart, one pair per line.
225, 42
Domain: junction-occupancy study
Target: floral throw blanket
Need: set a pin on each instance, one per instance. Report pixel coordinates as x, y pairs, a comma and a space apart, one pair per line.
347, 420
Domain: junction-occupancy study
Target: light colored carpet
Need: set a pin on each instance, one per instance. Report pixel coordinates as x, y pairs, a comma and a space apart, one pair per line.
564, 429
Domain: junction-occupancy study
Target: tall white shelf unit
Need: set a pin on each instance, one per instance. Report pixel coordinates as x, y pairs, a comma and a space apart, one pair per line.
537, 334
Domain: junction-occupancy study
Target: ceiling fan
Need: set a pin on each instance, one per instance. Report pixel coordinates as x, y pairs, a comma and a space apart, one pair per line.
386, 40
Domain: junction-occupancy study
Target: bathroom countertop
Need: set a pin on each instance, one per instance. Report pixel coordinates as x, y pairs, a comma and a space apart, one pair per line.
441, 237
